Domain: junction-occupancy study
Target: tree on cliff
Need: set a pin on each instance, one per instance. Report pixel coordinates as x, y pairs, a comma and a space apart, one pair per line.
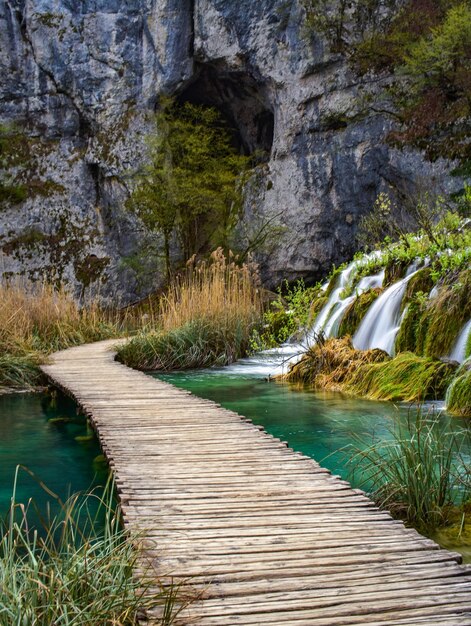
192, 184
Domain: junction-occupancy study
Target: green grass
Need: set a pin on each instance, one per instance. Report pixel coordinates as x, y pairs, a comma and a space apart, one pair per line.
20, 371
458, 399
200, 343
77, 570
420, 475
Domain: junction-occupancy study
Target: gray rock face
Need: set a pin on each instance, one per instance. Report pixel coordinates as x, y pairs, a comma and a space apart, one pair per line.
81, 76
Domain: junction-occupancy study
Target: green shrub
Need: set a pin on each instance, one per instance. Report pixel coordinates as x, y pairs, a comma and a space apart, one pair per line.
200, 343
294, 309
357, 311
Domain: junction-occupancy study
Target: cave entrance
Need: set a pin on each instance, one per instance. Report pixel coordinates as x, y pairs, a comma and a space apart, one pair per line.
242, 102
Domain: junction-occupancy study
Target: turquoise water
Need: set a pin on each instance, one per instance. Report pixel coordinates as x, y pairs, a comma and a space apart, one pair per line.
48, 449
325, 426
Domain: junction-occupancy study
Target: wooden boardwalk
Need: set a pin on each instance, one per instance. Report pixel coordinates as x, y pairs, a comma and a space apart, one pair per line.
266, 534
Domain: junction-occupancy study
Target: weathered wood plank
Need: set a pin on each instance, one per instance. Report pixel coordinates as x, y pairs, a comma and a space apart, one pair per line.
268, 535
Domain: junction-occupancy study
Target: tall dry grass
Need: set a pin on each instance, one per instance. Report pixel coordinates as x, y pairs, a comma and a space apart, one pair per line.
217, 289
206, 317
37, 319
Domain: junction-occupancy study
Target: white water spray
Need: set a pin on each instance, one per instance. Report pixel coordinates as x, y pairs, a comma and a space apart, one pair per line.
458, 352
382, 322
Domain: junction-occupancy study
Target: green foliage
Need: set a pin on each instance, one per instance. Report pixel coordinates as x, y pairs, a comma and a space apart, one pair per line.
192, 183
389, 221
437, 102
458, 399
421, 475
407, 339
387, 46
20, 371
340, 21
444, 316
406, 377
77, 570
293, 309
428, 46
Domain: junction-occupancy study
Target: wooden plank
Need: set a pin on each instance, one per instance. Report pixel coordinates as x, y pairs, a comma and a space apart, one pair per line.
268, 535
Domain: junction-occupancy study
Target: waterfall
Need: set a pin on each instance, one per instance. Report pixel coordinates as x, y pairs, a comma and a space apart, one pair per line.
333, 302
330, 316
458, 352
382, 322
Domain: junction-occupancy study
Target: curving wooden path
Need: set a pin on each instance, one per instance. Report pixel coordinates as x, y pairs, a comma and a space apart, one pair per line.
265, 534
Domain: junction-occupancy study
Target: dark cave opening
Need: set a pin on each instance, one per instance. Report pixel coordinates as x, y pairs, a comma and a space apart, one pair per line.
242, 102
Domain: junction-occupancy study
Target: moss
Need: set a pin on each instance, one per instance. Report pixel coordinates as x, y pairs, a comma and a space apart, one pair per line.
459, 394
407, 337
357, 311
333, 120
445, 316
51, 20
421, 282
329, 364
407, 377
90, 269
333, 281
394, 271
30, 238
316, 306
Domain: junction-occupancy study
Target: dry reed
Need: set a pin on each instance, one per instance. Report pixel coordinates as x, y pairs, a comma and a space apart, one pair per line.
217, 290
37, 319
207, 317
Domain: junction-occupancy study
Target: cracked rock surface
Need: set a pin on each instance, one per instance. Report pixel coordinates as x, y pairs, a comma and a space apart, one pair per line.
81, 76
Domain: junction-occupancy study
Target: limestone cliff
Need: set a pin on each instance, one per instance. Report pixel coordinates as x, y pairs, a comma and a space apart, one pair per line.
80, 76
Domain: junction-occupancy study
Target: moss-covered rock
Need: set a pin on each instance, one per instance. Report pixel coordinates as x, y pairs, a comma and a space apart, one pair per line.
394, 271
336, 365
421, 282
316, 306
357, 311
330, 364
459, 393
333, 281
407, 377
444, 316
407, 337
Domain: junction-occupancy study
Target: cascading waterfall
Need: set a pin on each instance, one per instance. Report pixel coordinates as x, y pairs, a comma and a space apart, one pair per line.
382, 322
458, 352
332, 325
333, 302
330, 316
